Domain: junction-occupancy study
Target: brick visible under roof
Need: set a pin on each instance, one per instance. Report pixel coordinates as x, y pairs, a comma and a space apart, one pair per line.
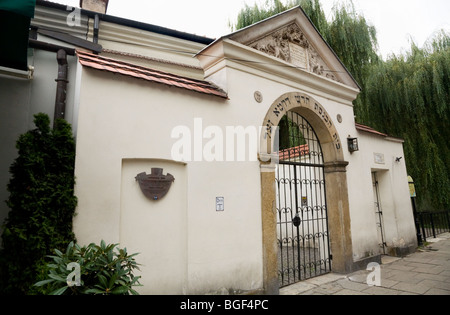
151, 75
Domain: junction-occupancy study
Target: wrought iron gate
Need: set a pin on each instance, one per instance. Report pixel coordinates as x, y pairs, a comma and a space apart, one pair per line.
302, 224
378, 213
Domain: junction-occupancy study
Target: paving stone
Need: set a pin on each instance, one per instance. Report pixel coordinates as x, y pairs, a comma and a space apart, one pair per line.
435, 270
437, 292
420, 265
328, 289
427, 276
407, 277
297, 288
441, 262
388, 273
385, 260
350, 292
380, 291
408, 293
387, 283
421, 273
355, 286
445, 273
401, 267
434, 284
416, 259
312, 292
419, 289
331, 277
359, 277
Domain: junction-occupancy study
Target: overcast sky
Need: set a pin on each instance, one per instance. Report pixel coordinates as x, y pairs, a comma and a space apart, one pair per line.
396, 21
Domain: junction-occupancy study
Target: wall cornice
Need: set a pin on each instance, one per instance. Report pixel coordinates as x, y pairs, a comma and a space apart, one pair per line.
228, 53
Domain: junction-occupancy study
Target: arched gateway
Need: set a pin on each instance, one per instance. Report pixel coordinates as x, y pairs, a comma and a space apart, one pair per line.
302, 221
289, 197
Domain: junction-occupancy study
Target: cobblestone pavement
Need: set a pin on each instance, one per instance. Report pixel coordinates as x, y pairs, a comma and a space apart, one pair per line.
425, 272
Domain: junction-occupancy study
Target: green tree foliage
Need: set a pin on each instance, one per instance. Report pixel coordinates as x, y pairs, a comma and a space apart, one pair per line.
42, 203
409, 97
355, 42
289, 134
252, 14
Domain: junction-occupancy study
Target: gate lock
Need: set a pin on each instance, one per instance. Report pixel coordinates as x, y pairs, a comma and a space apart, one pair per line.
296, 220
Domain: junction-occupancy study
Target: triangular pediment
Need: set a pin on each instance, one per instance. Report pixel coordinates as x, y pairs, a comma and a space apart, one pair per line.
291, 45
291, 37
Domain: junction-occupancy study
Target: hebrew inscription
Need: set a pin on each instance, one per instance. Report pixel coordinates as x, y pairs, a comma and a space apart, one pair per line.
291, 101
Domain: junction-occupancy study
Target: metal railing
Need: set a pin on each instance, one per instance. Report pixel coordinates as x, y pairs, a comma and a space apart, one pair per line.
433, 224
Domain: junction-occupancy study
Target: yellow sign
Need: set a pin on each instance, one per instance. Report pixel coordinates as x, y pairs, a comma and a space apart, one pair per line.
412, 188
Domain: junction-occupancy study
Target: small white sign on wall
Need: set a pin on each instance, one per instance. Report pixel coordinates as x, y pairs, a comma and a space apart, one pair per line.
379, 158
220, 204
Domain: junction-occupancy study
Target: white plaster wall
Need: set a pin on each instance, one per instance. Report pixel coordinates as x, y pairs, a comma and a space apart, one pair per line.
124, 118
155, 229
394, 196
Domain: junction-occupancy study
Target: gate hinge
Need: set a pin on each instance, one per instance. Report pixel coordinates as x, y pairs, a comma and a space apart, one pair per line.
331, 257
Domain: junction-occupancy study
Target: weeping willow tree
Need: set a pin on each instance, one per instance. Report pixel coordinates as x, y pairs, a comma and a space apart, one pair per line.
252, 14
355, 42
409, 97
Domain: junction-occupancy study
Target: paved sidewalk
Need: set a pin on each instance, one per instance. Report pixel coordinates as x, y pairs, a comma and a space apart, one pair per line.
425, 272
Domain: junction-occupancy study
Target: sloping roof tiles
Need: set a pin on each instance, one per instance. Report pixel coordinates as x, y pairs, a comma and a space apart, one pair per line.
370, 130
128, 69
293, 153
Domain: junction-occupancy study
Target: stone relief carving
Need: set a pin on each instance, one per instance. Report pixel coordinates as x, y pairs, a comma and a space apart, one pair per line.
291, 45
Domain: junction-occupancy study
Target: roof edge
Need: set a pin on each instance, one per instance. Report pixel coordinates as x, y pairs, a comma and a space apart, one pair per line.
140, 72
364, 128
276, 16
131, 23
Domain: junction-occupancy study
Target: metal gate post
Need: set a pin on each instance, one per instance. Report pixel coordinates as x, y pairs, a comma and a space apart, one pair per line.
432, 225
417, 222
422, 223
448, 220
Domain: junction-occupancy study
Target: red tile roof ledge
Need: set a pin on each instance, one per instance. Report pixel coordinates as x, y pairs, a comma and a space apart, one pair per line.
295, 152
148, 74
369, 130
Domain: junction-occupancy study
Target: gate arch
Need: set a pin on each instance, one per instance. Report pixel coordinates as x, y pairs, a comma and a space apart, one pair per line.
336, 194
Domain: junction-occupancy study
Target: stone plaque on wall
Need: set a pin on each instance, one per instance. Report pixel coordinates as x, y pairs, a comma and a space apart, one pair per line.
378, 158
299, 56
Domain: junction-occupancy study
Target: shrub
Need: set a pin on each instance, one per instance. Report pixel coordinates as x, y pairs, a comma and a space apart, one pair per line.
91, 270
42, 204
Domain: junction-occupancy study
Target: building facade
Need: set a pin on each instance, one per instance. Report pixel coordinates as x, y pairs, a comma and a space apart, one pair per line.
241, 213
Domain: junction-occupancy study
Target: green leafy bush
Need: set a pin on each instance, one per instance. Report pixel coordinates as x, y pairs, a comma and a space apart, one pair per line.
91, 269
42, 204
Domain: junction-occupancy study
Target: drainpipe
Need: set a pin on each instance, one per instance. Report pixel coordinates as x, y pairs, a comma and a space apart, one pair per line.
61, 87
96, 28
